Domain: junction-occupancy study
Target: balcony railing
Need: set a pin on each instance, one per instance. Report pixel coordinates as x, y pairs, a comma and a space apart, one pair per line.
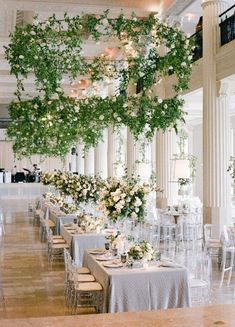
197, 52
227, 25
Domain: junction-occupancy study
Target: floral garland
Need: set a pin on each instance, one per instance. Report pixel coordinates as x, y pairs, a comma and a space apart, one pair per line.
81, 188
52, 49
125, 198
43, 126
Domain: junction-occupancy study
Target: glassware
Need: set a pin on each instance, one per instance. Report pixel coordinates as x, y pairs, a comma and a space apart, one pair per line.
123, 258
115, 252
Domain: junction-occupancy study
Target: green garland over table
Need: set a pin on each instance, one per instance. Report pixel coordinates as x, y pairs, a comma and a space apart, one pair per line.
52, 121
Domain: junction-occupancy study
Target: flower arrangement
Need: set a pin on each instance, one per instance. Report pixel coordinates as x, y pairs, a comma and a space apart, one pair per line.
90, 223
124, 198
69, 208
113, 236
49, 124
81, 188
141, 251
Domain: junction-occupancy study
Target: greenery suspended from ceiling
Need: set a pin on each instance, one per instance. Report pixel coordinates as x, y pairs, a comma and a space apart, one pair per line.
52, 51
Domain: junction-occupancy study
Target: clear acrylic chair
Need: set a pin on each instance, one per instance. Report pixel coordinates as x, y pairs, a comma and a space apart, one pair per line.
2, 225
212, 246
228, 250
200, 280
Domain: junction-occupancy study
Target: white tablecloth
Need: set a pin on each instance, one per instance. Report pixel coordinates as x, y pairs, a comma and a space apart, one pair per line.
152, 288
59, 217
80, 242
22, 190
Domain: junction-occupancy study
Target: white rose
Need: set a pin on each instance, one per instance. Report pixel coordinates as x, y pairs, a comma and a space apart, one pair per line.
116, 198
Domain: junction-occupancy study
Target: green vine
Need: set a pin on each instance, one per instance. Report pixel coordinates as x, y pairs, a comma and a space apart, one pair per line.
52, 50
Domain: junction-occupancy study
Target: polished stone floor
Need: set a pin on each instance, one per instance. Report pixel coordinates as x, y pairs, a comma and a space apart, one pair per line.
29, 286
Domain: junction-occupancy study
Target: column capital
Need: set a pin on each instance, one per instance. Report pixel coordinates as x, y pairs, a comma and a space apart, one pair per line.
206, 3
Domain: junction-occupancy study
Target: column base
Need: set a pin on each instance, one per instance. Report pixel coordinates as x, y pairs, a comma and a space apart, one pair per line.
218, 217
161, 203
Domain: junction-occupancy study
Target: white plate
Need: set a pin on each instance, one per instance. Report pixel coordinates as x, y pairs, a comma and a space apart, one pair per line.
112, 265
97, 251
104, 258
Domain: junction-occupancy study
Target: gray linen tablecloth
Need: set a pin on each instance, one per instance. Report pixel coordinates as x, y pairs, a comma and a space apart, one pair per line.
59, 217
80, 242
139, 289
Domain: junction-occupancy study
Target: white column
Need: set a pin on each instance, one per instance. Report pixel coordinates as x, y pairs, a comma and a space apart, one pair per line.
89, 161
110, 151
80, 159
130, 153
166, 147
101, 155
216, 125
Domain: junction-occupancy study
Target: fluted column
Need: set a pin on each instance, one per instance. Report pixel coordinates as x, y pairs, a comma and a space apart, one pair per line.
216, 127
80, 158
110, 151
89, 162
101, 155
130, 153
165, 148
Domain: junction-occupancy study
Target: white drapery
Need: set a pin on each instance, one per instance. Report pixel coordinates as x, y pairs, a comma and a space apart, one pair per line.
8, 161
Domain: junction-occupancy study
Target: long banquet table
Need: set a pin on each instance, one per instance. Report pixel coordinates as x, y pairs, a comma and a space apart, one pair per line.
59, 217
22, 190
152, 288
79, 242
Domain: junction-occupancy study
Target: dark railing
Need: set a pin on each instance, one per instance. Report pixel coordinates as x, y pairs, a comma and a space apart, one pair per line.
197, 52
227, 25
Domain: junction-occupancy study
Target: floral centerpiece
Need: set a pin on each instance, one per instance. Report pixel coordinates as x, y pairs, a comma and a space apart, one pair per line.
141, 251
124, 198
69, 208
81, 188
89, 223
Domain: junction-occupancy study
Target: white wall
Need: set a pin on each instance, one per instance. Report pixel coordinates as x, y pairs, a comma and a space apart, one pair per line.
7, 160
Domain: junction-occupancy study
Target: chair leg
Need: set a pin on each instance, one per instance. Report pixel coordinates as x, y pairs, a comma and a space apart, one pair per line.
223, 269
231, 268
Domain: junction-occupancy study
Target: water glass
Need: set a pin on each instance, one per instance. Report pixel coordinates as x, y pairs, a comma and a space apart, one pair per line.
123, 258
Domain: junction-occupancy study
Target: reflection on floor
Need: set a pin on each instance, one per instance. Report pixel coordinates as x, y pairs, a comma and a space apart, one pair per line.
30, 286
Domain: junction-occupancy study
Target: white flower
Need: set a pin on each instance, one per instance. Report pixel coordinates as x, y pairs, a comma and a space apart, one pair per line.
134, 215
183, 64
101, 117
159, 100
137, 202
32, 33
116, 198
104, 21
21, 57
